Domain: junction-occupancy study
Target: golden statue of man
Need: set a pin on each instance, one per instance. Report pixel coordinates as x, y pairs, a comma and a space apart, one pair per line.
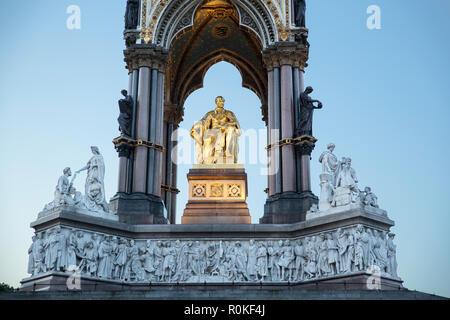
216, 136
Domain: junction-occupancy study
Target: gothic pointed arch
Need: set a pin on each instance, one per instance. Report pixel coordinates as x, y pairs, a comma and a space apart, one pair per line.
180, 15
216, 35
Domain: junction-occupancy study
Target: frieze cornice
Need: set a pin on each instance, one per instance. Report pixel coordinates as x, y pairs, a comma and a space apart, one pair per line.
293, 54
150, 56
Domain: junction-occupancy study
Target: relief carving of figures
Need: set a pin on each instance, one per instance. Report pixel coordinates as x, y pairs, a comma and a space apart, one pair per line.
168, 253
51, 250
333, 254
300, 259
195, 259
89, 259
149, 259
323, 268
106, 258
212, 259
183, 269
241, 261
131, 253
261, 262
271, 265
343, 248
286, 260
311, 258
136, 258
359, 249
391, 255
120, 259
349, 249
61, 263
216, 136
37, 255
365, 244
251, 264
72, 249
379, 250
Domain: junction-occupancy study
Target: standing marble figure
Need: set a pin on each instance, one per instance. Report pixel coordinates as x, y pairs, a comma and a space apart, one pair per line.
94, 187
300, 12
304, 126
131, 14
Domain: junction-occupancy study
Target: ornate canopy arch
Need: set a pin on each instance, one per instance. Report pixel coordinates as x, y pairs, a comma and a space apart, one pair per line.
179, 15
215, 34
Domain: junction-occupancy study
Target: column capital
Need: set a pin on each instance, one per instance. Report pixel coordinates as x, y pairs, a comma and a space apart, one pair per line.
148, 55
305, 144
173, 113
291, 53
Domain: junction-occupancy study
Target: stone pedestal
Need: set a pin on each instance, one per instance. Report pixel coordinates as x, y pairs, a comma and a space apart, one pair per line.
138, 208
217, 195
287, 207
220, 250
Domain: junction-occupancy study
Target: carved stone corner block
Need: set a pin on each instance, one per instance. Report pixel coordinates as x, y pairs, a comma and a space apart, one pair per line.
151, 56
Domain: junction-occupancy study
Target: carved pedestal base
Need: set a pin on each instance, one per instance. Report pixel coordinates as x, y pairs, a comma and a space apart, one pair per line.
288, 207
138, 208
217, 196
111, 255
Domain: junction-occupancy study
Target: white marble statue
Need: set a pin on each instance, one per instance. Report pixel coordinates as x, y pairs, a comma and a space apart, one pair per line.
346, 190
330, 166
94, 197
63, 191
338, 185
368, 198
329, 161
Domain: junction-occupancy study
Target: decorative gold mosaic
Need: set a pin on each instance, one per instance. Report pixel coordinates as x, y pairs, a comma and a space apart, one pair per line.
199, 190
217, 190
234, 190
154, 9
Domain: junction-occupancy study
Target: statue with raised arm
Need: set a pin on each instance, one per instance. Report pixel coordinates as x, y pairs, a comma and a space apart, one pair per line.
94, 198
131, 14
300, 12
63, 191
304, 125
216, 136
126, 112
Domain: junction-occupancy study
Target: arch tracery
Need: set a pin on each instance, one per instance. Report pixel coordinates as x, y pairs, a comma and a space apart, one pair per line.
216, 35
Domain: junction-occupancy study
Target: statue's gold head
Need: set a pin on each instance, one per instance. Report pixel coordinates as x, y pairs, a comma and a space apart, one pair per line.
220, 101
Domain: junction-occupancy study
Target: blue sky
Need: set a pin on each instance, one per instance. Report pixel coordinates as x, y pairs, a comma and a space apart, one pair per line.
385, 95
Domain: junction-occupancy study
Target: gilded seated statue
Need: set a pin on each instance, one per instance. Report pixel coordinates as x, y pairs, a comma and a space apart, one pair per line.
216, 136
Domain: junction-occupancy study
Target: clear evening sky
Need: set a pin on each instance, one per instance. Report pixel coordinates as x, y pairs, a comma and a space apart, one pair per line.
385, 95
